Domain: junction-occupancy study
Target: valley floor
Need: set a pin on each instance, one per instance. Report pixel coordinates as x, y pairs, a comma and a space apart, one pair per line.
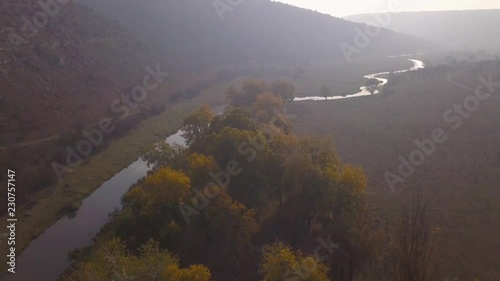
460, 177
51, 203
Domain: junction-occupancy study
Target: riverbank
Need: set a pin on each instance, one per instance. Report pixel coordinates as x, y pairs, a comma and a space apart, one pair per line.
364, 90
52, 203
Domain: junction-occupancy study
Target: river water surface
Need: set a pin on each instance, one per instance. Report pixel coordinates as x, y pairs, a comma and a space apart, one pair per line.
46, 258
363, 90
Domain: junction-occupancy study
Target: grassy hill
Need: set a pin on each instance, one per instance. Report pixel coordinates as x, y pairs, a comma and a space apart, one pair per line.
63, 76
63, 66
253, 31
464, 30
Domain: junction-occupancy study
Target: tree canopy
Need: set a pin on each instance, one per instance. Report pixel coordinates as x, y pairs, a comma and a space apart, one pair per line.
244, 181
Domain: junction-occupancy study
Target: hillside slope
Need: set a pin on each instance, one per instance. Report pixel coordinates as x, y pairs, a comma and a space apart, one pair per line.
469, 30
259, 30
61, 77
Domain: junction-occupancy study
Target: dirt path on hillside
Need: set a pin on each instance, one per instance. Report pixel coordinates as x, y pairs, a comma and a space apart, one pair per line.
21, 144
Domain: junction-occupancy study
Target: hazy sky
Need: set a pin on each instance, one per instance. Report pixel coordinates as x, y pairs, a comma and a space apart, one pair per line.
351, 7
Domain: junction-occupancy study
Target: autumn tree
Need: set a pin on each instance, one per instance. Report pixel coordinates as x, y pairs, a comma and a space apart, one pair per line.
220, 235
349, 222
266, 106
115, 262
246, 180
248, 94
280, 262
151, 208
284, 89
317, 193
199, 168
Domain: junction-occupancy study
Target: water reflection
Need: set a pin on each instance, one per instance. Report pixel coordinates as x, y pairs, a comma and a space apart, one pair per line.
365, 91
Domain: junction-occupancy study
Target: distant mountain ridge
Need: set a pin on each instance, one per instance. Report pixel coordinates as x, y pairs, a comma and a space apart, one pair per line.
464, 30
258, 30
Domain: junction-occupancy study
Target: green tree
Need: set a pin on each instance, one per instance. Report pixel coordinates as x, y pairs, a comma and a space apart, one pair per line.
371, 85
236, 117
163, 154
197, 124
350, 223
372, 82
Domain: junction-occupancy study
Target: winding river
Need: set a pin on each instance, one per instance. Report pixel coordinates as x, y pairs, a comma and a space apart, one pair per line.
364, 91
46, 257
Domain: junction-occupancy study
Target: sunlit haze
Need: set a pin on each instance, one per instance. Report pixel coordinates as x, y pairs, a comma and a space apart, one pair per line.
346, 8
201, 140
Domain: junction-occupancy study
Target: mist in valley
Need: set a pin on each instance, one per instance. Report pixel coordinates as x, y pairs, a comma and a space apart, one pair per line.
249, 140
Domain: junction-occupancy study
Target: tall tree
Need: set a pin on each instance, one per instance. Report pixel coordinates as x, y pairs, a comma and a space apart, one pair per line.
415, 243
197, 124
284, 89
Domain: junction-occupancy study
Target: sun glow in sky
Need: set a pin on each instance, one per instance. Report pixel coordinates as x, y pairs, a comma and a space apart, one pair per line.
345, 8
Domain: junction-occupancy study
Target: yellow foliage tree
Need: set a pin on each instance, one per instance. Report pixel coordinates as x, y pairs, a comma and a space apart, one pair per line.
168, 186
266, 106
199, 168
280, 262
114, 262
150, 208
284, 89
